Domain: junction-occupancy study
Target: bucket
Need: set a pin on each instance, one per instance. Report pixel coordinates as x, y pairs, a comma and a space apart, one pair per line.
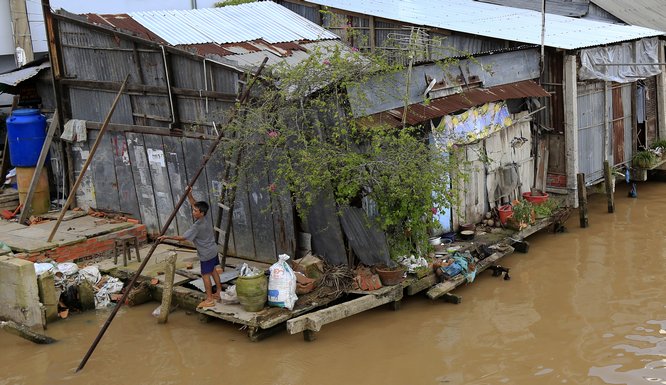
505, 212
535, 199
41, 201
252, 291
26, 132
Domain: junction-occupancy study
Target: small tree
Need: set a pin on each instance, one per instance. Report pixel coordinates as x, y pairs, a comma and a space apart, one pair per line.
300, 127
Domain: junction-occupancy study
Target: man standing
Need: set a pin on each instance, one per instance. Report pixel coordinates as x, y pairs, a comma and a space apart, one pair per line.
202, 235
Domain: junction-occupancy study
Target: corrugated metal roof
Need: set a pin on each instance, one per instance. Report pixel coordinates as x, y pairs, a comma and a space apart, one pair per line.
575, 8
418, 113
646, 13
233, 24
495, 21
14, 77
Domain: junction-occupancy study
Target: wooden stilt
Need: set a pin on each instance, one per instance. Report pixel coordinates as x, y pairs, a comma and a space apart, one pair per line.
582, 200
610, 181
170, 273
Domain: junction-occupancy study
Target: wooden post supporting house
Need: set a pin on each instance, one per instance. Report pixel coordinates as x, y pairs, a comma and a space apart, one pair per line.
571, 124
582, 200
609, 180
169, 275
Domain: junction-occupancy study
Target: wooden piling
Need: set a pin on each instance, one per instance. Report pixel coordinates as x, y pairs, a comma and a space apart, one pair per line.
582, 200
25, 332
609, 180
169, 275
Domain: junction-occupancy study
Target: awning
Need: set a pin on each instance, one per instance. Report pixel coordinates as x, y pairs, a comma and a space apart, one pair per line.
418, 113
15, 77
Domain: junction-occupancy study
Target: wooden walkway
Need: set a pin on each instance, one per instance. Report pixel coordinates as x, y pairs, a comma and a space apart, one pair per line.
311, 313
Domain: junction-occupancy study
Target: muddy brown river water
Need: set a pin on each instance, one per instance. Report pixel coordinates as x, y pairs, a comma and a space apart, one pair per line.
582, 307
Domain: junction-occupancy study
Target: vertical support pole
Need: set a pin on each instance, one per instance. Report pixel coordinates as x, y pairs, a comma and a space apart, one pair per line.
167, 293
609, 180
661, 96
582, 200
571, 125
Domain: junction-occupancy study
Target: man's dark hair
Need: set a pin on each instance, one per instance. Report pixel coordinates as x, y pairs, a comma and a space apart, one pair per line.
202, 207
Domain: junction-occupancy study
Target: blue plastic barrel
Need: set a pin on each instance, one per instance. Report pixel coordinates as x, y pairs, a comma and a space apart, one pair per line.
26, 132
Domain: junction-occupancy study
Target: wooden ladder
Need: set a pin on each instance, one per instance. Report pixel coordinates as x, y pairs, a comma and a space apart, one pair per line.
227, 198
4, 158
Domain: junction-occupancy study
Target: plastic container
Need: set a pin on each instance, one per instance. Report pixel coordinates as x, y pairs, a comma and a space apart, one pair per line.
41, 201
26, 132
505, 212
537, 199
252, 292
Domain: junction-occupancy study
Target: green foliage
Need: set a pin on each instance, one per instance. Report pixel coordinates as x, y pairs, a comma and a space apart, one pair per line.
302, 131
659, 143
226, 3
523, 212
644, 159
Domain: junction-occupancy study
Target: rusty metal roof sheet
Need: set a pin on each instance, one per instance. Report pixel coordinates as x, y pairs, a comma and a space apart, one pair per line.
495, 21
418, 113
124, 22
233, 24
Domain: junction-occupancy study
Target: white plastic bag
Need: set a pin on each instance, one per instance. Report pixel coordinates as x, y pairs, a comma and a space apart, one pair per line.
282, 284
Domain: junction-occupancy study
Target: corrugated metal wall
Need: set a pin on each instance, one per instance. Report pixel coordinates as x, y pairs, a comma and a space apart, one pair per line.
141, 167
604, 118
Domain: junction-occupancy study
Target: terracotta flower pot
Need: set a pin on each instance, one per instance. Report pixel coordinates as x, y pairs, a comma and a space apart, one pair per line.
390, 276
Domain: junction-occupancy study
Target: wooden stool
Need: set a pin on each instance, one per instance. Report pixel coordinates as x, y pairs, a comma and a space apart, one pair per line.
124, 243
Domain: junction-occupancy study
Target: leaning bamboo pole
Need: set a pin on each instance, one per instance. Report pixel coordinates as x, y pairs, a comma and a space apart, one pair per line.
243, 98
72, 192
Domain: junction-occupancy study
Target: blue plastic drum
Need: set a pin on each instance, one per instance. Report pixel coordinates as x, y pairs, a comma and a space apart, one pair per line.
26, 132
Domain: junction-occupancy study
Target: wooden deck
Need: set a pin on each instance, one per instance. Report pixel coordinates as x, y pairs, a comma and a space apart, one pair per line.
311, 312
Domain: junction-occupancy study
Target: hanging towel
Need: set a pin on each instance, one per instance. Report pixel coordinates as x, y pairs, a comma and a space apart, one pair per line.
75, 131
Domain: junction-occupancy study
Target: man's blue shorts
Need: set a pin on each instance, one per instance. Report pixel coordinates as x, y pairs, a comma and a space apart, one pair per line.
208, 266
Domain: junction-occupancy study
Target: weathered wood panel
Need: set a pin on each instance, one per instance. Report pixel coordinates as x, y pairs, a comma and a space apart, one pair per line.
323, 224
260, 210
85, 195
143, 182
161, 184
124, 178
104, 174
175, 161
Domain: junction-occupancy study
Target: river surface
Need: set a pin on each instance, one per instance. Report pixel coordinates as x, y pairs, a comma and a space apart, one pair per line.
582, 307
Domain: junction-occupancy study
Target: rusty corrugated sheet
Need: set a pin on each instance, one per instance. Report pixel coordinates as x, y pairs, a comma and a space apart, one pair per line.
124, 22
418, 113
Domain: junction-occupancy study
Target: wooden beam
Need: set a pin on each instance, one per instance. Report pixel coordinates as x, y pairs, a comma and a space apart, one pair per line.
4, 161
571, 125
145, 89
25, 332
314, 321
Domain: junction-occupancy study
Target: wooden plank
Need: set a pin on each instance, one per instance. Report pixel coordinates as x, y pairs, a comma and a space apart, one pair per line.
127, 192
365, 237
104, 174
143, 182
324, 226
283, 218
422, 284
175, 161
315, 320
542, 164
443, 288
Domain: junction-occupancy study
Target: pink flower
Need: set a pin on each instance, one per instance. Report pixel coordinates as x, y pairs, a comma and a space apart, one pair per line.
326, 62
273, 134
354, 49
433, 210
272, 187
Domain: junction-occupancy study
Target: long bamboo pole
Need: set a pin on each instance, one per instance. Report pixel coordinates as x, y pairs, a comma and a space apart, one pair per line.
165, 227
72, 192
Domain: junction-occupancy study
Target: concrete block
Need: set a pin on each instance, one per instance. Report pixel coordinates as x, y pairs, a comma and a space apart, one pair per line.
48, 296
19, 294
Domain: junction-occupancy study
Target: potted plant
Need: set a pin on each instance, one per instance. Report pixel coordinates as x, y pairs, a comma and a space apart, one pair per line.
523, 214
644, 159
659, 148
